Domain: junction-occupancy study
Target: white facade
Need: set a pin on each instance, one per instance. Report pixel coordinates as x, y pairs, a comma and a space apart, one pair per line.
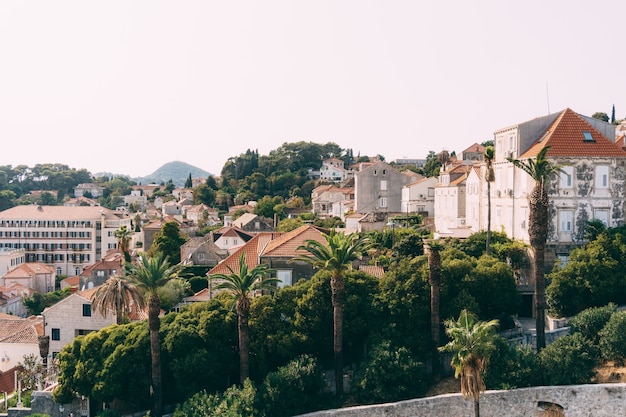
67, 238
419, 197
11, 258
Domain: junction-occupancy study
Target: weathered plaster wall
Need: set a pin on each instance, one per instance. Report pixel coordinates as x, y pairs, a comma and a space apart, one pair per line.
596, 400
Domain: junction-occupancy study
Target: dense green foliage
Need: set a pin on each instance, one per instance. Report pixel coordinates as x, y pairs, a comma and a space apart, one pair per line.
569, 360
612, 338
593, 276
39, 301
390, 374
591, 321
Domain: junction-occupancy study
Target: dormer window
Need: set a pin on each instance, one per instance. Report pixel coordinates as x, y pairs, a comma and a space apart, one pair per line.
588, 137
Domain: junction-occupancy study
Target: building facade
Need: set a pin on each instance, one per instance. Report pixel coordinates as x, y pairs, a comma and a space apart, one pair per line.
67, 238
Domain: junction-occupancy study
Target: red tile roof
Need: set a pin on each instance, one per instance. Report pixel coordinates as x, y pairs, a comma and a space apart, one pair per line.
287, 245
566, 139
252, 249
29, 269
17, 330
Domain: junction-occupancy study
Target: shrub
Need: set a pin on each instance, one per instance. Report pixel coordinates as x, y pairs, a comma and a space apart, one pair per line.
569, 360
512, 367
589, 322
293, 389
613, 338
234, 402
390, 374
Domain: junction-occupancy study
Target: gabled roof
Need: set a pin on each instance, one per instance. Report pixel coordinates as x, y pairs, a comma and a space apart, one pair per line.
287, 244
231, 231
66, 213
572, 136
475, 148
252, 249
200, 296
29, 269
18, 330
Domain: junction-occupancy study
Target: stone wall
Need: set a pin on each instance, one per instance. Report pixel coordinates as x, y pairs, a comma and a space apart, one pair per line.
596, 400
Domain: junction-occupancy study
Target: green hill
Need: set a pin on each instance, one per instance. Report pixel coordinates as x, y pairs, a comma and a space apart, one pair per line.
176, 171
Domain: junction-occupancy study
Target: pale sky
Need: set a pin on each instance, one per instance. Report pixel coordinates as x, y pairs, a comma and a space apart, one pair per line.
126, 86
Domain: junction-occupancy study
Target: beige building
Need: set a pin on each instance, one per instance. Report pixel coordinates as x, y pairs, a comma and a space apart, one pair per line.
67, 238
72, 317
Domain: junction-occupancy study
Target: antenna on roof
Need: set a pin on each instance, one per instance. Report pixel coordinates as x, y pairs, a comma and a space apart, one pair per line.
548, 98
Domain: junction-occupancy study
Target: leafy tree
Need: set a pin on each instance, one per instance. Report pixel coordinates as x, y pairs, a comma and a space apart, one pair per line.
39, 301
150, 274
242, 284
593, 229
202, 336
118, 295
173, 292
591, 321
471, 343
7, 199
600, 116
569, 360
203, 194
490, 177
31, 372
189, 182
335, 255
390, 374
540, 169
513, 366
612, 338
403, 305
432, 165
590, 277
168, 241
291, 390
287, 225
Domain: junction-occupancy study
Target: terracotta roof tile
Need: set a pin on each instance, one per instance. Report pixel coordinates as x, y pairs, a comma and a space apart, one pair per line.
287, 245
252, 249
374, 270
18, 330
566, 139
29, 269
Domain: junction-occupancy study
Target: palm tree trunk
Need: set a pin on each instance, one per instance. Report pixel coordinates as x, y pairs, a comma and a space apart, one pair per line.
540, 296
244, 343
434, 279
488, 249
476, 408
154, 324
338, 291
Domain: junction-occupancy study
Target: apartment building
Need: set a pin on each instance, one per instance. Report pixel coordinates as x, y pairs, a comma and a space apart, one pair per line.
67, 238
590, 186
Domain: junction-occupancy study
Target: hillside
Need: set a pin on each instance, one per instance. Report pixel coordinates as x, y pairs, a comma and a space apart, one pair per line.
176, 171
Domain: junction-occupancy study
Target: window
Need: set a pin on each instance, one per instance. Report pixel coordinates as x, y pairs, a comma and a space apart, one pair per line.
602, 176
565, 220
383, 202
383, 185
284, 275
86, 310
602, 215
566, 177
587, 136
56, 334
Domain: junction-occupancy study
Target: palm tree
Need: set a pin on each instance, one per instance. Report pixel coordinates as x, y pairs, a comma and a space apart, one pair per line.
119, 295
540, 170
150, 274
241, 285
123, 235
434, 279
335, 255
489, 178
471, 342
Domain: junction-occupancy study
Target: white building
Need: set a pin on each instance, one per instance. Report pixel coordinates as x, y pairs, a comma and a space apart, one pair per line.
67, 238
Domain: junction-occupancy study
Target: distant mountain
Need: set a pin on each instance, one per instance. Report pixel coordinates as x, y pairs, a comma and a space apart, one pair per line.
176, 171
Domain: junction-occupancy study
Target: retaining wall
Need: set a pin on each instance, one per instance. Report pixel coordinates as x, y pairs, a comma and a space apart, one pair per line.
597, 400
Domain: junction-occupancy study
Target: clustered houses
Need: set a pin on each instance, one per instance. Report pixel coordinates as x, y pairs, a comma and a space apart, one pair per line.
39, 242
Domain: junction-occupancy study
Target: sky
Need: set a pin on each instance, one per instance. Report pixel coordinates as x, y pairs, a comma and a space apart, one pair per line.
127, 86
